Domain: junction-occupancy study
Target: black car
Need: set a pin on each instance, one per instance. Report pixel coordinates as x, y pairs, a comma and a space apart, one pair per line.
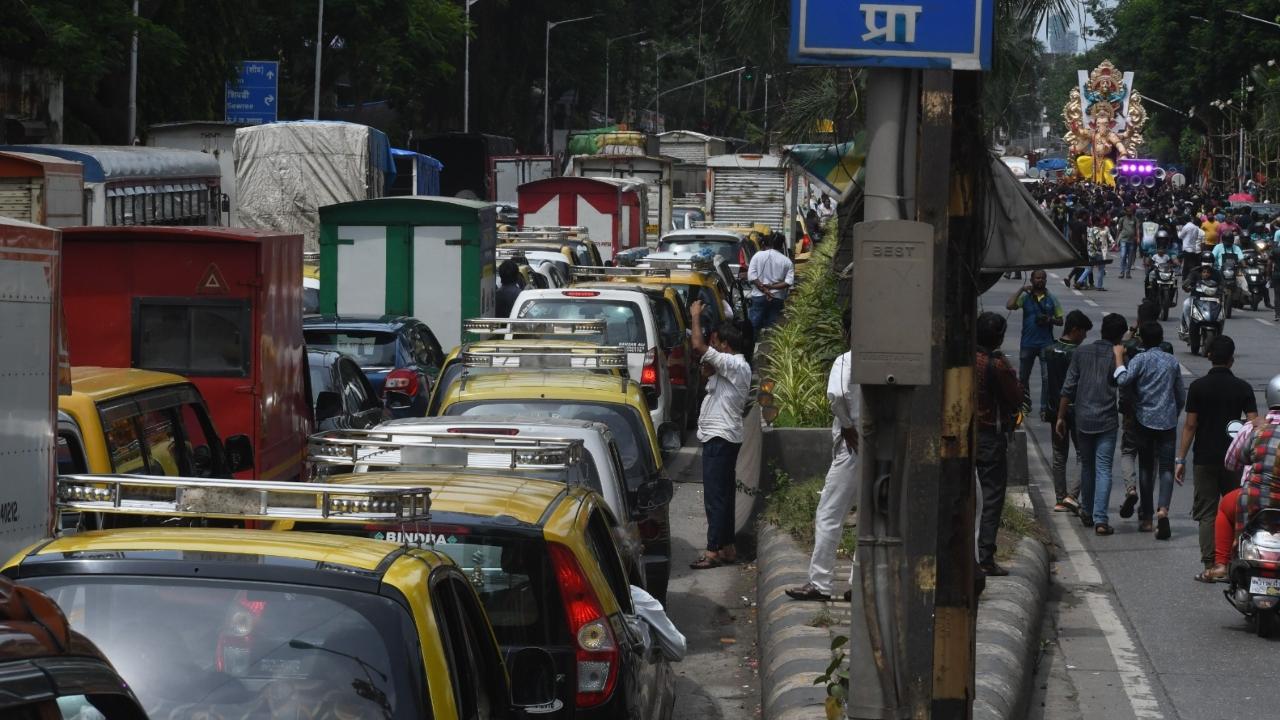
341, 396
400, 355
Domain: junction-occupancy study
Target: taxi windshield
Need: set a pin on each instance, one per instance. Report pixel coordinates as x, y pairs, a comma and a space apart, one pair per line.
237, 649
624, 325
724, 247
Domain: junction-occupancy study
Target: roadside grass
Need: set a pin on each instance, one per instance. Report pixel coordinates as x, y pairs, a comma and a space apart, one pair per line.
1016, 524
792, 506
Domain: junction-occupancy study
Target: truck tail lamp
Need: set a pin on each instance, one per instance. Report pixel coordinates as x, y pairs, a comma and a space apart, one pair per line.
596, 648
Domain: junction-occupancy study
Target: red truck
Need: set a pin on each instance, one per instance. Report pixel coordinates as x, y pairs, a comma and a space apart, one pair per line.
221, 306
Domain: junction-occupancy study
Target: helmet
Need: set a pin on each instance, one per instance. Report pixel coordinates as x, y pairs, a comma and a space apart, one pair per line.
1273, 392
1206, 258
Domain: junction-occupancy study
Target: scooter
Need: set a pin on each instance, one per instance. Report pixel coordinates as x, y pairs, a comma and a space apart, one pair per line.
1254, 280
1254, 576
1162, 287
1206, 320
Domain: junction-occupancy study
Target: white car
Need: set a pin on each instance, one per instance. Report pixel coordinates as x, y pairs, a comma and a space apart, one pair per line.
727, 244
631, 323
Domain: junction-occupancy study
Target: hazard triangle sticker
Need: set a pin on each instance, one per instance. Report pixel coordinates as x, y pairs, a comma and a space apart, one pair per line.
212, 282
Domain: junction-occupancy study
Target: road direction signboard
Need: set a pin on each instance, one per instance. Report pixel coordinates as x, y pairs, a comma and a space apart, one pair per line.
945, 34
254, 95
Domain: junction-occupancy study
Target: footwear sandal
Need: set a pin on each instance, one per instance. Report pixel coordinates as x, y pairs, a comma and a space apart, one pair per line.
1208, 576
1126, 508
1071, 504
807, 592
705, 562
1104, 529
1061, 507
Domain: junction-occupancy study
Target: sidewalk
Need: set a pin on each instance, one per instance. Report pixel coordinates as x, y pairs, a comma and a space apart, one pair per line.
795, 637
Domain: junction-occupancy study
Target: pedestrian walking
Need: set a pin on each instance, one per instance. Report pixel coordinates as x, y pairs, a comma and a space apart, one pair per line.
772, 275
998, 398
1055, 360
1041, 311
1090, 392
1126, 228
1160, 396
1099, 242
720, 432
1213, 401
1148, 311
840, 491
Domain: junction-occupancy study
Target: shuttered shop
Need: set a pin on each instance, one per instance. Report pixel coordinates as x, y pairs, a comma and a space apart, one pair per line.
20, 198
750, 195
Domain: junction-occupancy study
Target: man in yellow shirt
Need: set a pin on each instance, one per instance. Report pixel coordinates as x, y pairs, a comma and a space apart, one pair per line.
1210, 227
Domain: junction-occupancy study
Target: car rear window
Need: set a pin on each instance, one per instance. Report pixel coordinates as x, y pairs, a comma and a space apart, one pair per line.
369, 348
510, 571
238, 649
727, 249
624, 323
624, 421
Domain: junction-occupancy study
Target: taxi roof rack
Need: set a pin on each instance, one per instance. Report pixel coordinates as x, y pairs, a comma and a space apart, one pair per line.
590, 357
522, 326
242, 499
589, 271
441, 448
697, 263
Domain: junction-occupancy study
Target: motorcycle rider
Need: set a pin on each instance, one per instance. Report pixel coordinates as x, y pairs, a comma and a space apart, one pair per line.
1227, 246
1208, 274
1255, 453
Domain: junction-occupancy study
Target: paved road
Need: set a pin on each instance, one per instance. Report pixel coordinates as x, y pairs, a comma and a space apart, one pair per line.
1132, 635
715, 610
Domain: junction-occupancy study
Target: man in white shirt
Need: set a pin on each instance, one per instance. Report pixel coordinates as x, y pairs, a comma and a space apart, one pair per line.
840, 492
720, 432
1189, 238
771, 274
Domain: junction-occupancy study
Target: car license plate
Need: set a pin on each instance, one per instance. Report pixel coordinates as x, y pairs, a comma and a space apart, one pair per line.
1264, 586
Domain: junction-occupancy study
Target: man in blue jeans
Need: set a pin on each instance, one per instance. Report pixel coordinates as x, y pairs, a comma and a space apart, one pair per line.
720, 432
1091, 394
1041, 311
771, 274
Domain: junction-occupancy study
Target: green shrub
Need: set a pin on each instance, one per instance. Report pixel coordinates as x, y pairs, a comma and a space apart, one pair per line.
802, 346
792, 506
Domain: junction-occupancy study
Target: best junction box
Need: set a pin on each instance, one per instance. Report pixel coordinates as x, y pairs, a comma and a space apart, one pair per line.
428, 257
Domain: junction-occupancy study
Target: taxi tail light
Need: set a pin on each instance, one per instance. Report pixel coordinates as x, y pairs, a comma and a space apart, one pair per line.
579, 293
742, 257
234, 654
649, 529
596, 650
676, 367
403, 381
649, 373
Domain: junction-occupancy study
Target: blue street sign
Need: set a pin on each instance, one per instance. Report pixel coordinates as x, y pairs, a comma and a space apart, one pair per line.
939, 34
253, 97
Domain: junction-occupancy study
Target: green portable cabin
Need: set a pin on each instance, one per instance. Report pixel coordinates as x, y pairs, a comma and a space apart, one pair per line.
427, 257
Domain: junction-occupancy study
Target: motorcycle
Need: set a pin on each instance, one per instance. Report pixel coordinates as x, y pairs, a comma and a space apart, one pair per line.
1162, 287
1253, 577
1255, 280
1206, 320
1232, 293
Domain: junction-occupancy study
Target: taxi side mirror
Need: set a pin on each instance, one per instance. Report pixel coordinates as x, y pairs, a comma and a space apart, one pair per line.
533, 680
239, 453
328, 406
654, 494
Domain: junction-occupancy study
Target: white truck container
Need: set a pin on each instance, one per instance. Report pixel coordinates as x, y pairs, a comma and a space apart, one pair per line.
653, 172
748, 189
30, 294
509, 172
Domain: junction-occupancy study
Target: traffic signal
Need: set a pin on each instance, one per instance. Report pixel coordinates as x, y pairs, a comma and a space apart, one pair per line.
749, 74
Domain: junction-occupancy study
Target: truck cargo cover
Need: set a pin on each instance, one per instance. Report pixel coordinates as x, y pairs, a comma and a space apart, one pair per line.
285, 172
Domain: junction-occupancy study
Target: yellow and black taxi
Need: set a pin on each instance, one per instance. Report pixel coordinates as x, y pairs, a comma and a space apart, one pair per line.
125, 420
502, 342
598, 397
233, 623
543, 559
577, 248
48, 671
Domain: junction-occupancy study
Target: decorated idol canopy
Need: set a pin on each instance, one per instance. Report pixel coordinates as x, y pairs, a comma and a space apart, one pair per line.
1104, 117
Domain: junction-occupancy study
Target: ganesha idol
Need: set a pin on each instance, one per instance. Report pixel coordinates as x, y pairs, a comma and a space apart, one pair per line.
1104, 117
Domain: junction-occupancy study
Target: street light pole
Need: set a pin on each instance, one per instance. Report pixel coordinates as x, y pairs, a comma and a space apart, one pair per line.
546, 81
466, 73
607, 43
133, 79
766, 111
315, 107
